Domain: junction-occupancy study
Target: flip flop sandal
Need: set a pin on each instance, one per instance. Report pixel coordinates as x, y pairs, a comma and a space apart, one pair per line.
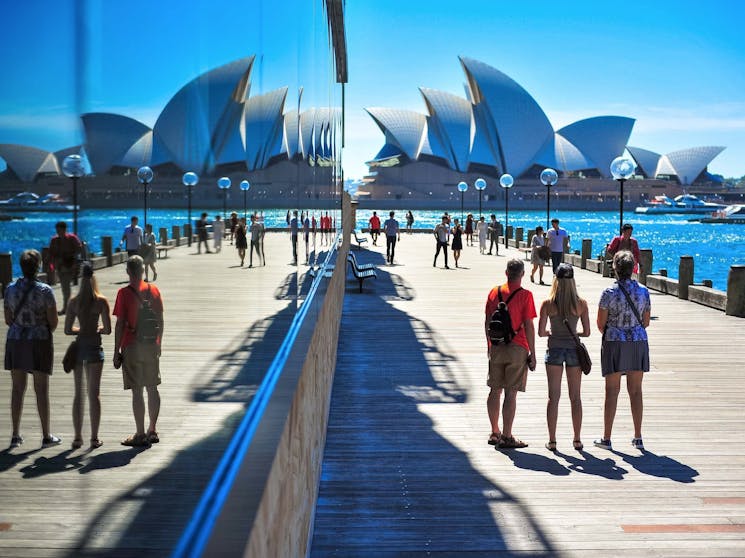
494, 439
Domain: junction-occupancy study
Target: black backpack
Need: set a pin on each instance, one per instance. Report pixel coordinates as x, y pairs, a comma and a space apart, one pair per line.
500, 323
148, 327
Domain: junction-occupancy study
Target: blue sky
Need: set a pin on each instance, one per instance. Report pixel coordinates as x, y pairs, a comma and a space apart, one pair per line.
678, 68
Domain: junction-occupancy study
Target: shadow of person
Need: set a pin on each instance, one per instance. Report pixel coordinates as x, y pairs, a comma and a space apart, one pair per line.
535, 462
591, 465
57, 464
9, 460
109, 460
662, 466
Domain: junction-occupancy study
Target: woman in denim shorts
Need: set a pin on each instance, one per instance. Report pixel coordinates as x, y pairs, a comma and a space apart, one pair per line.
563, 303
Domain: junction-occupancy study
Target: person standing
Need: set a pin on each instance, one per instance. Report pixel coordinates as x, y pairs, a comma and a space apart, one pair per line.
31, 316
241, 242
90, 308
374, 223
409, 221
392, 233
63, 253
132, 237
233, 224
442, 236
457, 241
202, 234
218, 229
536, 254
558, 241
507, 362
626, 242
623, 317
469, 230
257, 242
482, 229
493, 235
561, 311
147, 251
306, 237
137, 347
294, 226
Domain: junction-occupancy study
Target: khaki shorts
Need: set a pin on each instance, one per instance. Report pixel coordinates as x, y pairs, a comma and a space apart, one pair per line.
141, 365
508, 367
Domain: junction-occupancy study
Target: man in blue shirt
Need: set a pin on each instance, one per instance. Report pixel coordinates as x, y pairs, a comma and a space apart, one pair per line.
293, 236
558, 241
392, 233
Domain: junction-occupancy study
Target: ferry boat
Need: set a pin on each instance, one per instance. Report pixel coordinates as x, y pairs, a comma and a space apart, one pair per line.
732, 214
28, 201
683, 204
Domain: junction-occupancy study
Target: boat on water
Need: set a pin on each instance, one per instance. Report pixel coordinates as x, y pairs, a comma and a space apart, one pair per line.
29, 201
732, 214
683, 204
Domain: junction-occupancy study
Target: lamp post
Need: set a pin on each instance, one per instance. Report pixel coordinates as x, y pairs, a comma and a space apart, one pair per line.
72, 167
190, 180
245, 185
622, 169
506, 181
480, 184
462, 187
145, 176
549, 177
224, 183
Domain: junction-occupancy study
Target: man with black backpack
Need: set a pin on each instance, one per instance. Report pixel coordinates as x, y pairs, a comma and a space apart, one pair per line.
510, 339
137, 336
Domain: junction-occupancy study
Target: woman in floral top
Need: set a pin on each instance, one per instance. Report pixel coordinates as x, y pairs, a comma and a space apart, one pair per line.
625, 351
31, 316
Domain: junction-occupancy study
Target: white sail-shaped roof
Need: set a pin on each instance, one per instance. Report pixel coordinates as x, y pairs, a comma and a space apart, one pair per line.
200, 120
646, 160
689, 163
405, 128
521, 126
560, 154
108, 137
290, 133
600, 139
26, 162
263, 125
450, 119
307, 120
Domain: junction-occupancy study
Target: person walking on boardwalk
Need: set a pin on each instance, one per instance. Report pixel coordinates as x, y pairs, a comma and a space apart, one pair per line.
91, 309
63, 253
493, 235
241, 242
468, 229
409, 221
625, 242
558, 241
257, 242
294, 226
374, 223
147, 251
233, 224
507, 361
132, 237
202, 234
457, 241
561, 311
392, 234
218, 229
442, 236
537, 253
137, 343
623, 317
31, 316
482, 229
306, 237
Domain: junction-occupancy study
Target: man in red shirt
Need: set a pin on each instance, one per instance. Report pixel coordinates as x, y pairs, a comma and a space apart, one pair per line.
374, 227
138, 351
507, 362
63, 252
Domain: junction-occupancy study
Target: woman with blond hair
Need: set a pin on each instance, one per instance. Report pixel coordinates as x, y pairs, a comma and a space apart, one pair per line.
562, 310
91, 309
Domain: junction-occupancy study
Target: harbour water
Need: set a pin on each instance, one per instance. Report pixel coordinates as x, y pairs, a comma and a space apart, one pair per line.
714, 247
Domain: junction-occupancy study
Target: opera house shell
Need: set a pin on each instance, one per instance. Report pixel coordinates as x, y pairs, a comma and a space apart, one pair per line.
499, 128
211, 126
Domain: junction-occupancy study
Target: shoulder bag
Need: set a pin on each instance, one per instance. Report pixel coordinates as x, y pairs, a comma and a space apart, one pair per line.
585, 362
631, 303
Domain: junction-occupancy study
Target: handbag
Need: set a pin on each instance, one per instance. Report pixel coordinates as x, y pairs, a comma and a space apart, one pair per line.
71, 357
583, 355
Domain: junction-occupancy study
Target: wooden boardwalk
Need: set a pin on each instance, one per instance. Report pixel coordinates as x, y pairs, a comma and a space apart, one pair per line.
223, 325
407, 470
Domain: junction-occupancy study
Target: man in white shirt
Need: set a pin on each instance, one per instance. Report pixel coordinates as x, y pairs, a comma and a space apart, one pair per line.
133, 237
442, 235
558, 241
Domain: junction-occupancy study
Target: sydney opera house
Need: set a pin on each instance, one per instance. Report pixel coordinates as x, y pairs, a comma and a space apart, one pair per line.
499, 128
212, 126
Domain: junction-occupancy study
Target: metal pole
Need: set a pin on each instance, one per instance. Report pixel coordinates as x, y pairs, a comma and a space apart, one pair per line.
479, 203
461, 206
144, 224
506, 215
548, 204
75, 205
245, 192
188, 197
224, 203
620, 224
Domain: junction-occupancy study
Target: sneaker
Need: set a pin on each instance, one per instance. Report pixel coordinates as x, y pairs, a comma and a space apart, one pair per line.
637, 443
603, 443
51, 440
16, 441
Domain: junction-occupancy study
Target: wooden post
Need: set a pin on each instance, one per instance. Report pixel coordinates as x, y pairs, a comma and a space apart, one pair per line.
531, 234
586, 252
508, 234
107, 247
518, 236
176, 233
645, 264
163, 234
6, 271
685, 276
736, 291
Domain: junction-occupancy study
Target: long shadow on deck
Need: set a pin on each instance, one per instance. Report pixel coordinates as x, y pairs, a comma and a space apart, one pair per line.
390, 485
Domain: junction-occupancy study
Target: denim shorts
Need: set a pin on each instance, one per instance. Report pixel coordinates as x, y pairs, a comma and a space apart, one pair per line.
559, 356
